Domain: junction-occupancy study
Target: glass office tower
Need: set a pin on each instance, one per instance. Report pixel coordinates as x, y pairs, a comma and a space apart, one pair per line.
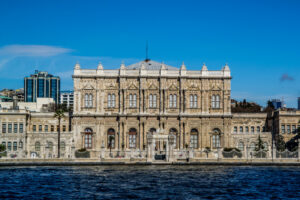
41, 85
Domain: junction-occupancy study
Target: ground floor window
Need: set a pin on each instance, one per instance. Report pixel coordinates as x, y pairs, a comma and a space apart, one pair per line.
194, 141
241, 146
15, 146
132, 138
216, 141
88, 141
111, 138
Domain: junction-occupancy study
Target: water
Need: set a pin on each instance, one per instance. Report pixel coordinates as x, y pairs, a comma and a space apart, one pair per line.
150, 182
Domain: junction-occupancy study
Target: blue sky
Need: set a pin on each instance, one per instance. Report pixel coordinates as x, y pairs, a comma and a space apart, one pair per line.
260, 40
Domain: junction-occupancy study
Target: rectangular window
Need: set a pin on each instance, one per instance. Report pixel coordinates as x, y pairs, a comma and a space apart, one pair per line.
154, 101
288, 129
258, 129
15, 146
4, 144
34, 128
241, 129
9, 128
132, 141
52, 128
235, 129
283, 129
15, 128
194, 141
3, 127
252, 129
64, 128
46, 128
57, 128
21, 127
9, 146
294, 128
40, 128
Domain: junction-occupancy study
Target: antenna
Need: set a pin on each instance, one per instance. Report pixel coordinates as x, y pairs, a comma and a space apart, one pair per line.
147, 59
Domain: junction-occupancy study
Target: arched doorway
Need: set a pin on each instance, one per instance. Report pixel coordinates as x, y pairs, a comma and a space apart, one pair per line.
132, 138
88, 132
111, 138
194, 138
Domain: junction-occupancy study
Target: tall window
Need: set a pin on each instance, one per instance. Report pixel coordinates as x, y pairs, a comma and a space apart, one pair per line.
21, 128
194, 139
111, 101
52, 128
288, 129
215, 101
88, 100
46, 128
241, 146
247, 129
132, 138
15, 146
40, 128
50, 146
241, 129
252, 129
3, 127
15, 128
293, 128
88, 138
216, 141
235, 129
37, 146
9, 127
258, 129
132, 100
9, 146
34, 128
63, 146
193, 101
152, 101
111, 138
173, 101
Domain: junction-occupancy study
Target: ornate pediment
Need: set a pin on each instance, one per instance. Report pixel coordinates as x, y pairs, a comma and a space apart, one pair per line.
111, 86
216, 88
132, 86
152, 86
173, 87
193, 86
88, 87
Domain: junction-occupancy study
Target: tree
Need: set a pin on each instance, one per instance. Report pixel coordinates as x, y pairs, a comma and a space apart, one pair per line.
59, 114
2, 148
279, 142
259, 145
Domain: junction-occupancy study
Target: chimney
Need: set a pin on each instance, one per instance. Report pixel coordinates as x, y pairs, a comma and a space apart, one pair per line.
15, 103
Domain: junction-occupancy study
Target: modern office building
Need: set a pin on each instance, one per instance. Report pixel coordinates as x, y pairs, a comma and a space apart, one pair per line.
277, 103
41, 85
67, 98
298, 103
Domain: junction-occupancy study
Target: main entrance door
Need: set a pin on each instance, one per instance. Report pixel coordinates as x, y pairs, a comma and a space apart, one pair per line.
160, 150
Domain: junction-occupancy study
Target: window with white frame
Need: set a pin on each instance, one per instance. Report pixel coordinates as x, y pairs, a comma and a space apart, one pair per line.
215, 101
88, 138
132, 100
216, 141
193, 101
173, 101
111, 101
88, 100
152, 101
132, 138
194, 139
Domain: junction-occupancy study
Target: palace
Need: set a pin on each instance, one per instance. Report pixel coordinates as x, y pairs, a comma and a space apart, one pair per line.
145, 111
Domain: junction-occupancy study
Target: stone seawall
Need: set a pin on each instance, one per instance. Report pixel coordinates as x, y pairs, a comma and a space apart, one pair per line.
91, 162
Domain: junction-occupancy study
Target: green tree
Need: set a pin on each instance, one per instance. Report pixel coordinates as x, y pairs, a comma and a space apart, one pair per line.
59, 114
279, 142
259, 145
2, 148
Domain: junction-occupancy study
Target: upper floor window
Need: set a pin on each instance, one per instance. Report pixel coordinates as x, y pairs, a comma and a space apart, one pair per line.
215, 101
241, 129
21, 127
15, 128
88, 100
132, 100
247, 129
46, 128
9, 128
252, 129
294, 128
3, 127
258, 129
111, 100
173, 101
34, 128
288, 129
193, 101
152, 101
235, 129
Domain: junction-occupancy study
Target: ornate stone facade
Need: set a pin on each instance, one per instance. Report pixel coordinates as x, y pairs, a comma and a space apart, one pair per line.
127, 103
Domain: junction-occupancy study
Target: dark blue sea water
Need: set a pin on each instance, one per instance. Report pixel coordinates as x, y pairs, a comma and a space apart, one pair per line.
150, 182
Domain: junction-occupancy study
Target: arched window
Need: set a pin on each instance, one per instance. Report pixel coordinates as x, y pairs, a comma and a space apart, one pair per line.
216, 141
111, 138
37, 146
90, 100
150, 101
88, 138
171, 101
252, 129
109, 101
194, 139
241, 146
154, 101
195, 101
174, 132
258, 129
86, 100
213, 101
152, 130
62, 146
132, 138
191, 101
134, 100
217, 101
